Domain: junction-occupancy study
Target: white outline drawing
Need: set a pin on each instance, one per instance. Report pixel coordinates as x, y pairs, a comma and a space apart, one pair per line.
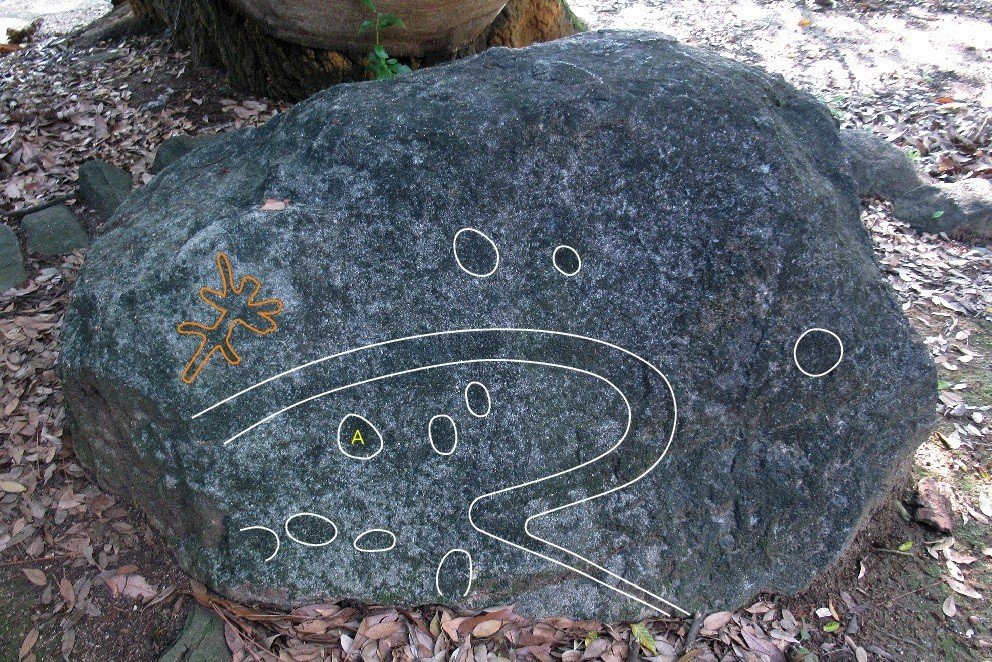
265, 528
374, 429
795, 348
375, 550
303, 542
437, 573
563, 472
430, 434
489, 400
554, 260
454, 249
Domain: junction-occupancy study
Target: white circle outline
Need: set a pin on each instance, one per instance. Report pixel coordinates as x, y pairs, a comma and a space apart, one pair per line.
489, 400
274, 535
795, 348
430, 434
454, 249
437, 573
554, 262
374, 429
289, 519
375, 550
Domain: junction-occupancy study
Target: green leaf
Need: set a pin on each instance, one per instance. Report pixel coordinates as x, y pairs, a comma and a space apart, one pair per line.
380, 52
937, 214
368, 5
591, 637
644, 638
906, 546
943, 385
365, 26
831, 626
402, 69
389, 21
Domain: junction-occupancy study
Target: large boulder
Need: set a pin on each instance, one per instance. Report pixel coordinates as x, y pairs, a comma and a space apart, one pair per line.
54, 231
960, 209
12, 271
629, 275
878, 167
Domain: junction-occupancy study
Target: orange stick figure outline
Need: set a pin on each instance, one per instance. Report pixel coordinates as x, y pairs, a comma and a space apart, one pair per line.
265, 310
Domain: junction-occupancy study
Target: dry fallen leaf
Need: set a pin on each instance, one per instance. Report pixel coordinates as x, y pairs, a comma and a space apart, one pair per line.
271, 204
36, 577
486, 629
131, 586
714, 622
29, 641
949, 608
962, 588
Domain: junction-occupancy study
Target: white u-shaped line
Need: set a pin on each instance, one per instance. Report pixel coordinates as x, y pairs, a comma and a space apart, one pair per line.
563, 472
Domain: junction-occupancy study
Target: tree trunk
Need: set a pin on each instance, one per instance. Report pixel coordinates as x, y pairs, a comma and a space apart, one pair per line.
260, 64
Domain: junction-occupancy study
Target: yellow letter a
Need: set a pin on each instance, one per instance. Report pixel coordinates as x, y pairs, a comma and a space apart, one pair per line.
357, 438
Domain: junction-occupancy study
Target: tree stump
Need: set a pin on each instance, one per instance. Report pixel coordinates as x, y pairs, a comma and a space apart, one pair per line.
258, 63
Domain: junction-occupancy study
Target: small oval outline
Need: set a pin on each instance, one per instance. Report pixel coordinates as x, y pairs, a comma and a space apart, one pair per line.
554, 261
489, 400
376, 550
795, 349
454, 250
274, 535
430, 434
289, 519
371, 425
437, 573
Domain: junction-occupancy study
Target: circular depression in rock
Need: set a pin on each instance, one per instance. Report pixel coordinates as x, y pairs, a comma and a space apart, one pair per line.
443, 434
311, 529
477, 399
566, 260
818, 352
475, 252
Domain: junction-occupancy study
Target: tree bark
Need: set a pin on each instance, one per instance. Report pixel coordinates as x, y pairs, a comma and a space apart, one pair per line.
260, 64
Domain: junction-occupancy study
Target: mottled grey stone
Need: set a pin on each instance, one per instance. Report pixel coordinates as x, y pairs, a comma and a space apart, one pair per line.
202, 639
11, 261
703, 263
54, 231
103, 186
960, 209
174, 148
878, 167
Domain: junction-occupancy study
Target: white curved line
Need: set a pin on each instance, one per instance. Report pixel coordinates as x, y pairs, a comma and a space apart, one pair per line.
795, 348
374, 550
437, 574
555, 475
341, 446
408, 371
454, 249
264, 528
489, 400
303, 542
430, 434
394, 341
554, 260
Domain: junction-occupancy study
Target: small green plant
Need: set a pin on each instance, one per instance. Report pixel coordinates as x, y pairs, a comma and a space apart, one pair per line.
381, 66
913, 153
